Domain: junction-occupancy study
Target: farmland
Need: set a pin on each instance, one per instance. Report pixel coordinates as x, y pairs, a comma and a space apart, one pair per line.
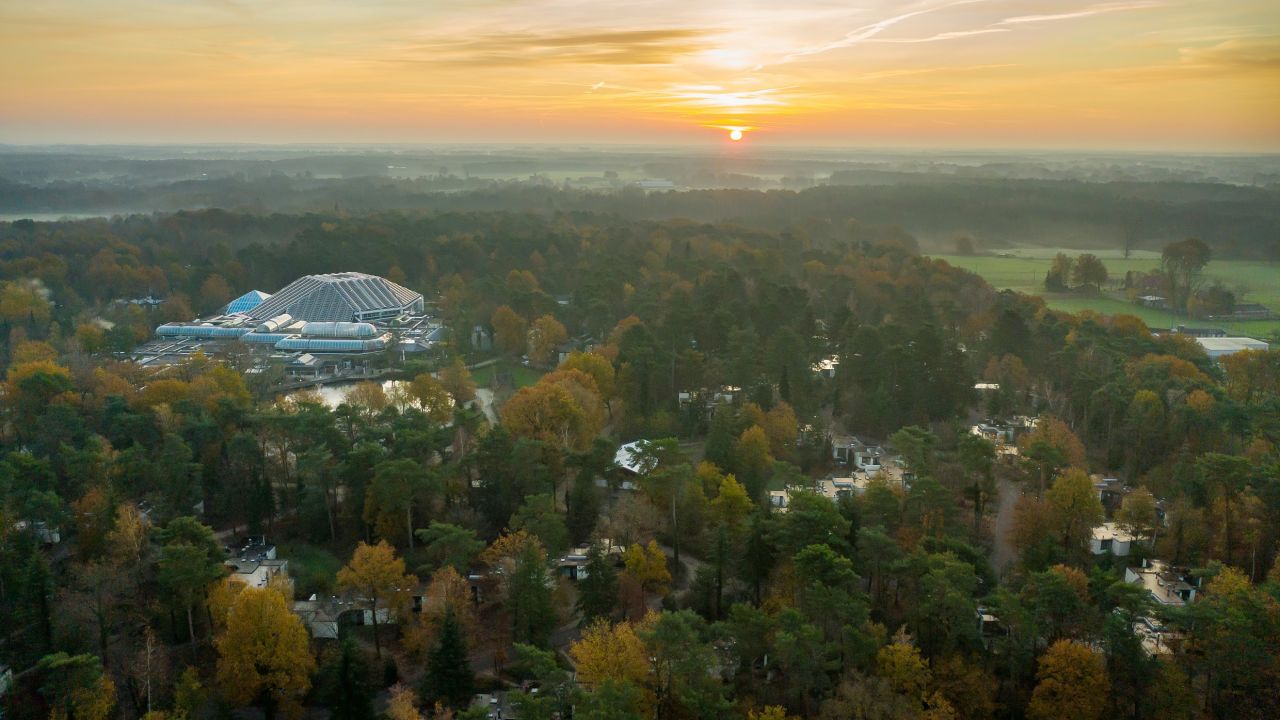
1024, 271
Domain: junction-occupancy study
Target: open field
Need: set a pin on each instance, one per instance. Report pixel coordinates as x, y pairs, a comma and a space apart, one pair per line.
524, 376
1259, 281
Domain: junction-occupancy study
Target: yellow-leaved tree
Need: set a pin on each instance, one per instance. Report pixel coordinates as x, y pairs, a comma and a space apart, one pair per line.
610, 653
1071, 683
456, 379
508, 330
432, 397
598, 367
447, 590
647, 567
545, 335
378, 579
264, 653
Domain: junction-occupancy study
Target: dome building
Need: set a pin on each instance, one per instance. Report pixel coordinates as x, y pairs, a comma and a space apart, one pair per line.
343, 297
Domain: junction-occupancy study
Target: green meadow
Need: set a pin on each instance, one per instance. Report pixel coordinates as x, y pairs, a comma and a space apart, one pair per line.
1253, 281
522, 375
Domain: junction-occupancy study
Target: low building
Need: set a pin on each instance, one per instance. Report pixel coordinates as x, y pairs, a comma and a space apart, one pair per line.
1219, 347
1167, 585
632, 458
836, 488
779, 500
255, 563
257, 573
43, 532
1156, 639
1249, 311
1111, 538
573, 564
1200, 332
323, 617
826, 367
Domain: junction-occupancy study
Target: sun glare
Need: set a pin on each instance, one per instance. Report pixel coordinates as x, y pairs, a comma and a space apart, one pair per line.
735, 134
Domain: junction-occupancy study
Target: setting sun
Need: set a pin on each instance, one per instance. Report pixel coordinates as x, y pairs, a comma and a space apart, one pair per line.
735, 134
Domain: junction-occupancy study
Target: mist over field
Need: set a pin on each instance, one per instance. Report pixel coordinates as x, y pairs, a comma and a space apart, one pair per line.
1000, 200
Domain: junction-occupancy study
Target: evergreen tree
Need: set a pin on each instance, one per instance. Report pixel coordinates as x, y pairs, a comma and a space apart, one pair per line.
598, 590
344, 685
448, 679
584, 506
529, 598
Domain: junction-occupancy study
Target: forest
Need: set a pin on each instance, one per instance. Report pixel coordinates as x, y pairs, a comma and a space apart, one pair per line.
1086, 202
969, 590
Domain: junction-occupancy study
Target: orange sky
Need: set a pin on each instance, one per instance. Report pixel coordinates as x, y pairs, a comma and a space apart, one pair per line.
1193, 75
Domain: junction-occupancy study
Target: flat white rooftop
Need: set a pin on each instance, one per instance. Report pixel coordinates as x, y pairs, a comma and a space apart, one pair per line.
1219, 346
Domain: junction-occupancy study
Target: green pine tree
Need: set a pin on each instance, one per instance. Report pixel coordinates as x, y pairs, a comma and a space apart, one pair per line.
598, 590
344, 685
529, 598
448, 679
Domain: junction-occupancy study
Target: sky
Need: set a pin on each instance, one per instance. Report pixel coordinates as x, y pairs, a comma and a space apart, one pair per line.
1168, 75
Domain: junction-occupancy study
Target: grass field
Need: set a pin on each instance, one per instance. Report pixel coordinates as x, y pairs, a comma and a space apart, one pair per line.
1259, 282
524, 376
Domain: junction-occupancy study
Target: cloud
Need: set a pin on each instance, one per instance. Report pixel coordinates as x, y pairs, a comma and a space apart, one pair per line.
953, 35
853, 37
606, 47
1091, 10
1262, 53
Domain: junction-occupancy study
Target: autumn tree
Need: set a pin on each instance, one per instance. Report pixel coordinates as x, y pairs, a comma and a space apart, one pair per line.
1051, 446
1138, 513
782, 428
368, 397
456, 379
1058, 278
447, 591
647, 567
555, 414
751, 460
265, 654
609, 652
598, 367
379, 580
1071, 684
402, 704
214, 292
75, 686
545, 335
508, 331
432, 397
1074, 510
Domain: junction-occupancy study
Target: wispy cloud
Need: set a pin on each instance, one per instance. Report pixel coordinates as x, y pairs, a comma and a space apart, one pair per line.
952, 35
1237, 54
605, 47
1100, 9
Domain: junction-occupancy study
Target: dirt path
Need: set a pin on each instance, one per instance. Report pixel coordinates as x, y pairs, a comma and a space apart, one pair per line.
1004, 554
